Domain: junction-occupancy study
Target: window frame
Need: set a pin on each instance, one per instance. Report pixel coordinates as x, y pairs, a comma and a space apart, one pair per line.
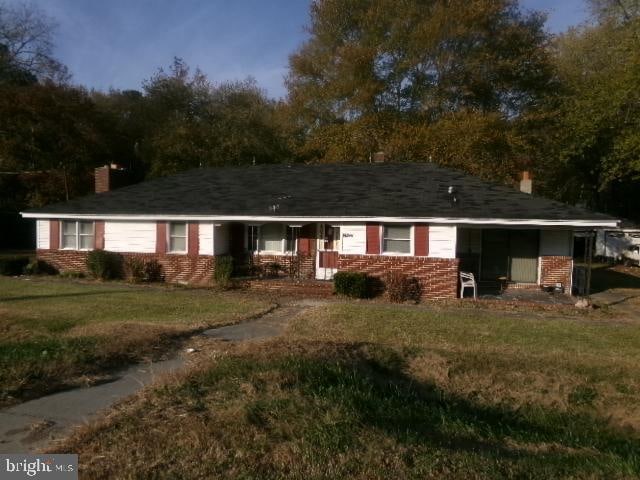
77, 235
170, 236
383, 237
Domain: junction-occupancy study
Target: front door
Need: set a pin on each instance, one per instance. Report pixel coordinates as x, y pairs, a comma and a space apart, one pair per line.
328, 248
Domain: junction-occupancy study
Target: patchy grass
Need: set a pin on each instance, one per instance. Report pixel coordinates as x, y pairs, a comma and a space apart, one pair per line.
364, 390
56, 333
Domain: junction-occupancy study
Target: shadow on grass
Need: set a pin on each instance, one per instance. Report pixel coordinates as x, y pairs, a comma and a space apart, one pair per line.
60, 295
368, 386
605, 277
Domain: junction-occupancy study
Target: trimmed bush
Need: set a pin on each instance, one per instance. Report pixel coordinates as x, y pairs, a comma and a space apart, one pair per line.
401, 288
352, 284
223, 270
12, 266
104, 265
40, 267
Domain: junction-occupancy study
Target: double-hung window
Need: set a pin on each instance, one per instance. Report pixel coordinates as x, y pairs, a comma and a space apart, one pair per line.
272, 238
177, 237
396, 239
77, 235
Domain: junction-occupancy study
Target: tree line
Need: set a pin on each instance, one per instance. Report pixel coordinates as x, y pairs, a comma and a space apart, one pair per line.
480, 86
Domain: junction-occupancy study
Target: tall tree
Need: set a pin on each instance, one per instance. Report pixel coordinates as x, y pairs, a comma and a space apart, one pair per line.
191, 123
597, 135
26, 42
395, 75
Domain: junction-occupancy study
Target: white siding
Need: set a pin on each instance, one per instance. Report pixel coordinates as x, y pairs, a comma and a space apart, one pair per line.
134, 237
354, 239
205, 238
42, 234
221, 239
556, 242
442, 241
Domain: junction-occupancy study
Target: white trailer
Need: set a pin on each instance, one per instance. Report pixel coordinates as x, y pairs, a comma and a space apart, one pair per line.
619, 245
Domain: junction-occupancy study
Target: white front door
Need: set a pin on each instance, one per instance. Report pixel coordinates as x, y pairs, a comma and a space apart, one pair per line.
327, 251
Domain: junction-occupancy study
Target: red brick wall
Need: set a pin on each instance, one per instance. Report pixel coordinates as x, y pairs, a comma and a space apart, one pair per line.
554, 269
437, 276
175, 268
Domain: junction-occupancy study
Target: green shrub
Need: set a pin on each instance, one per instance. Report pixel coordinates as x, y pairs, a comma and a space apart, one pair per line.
104, 265
401, 288
352, 284
12, 266
40, 267
223, 269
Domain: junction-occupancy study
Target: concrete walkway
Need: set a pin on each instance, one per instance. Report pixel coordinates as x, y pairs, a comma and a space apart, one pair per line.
267, 326
35, 424
32, 425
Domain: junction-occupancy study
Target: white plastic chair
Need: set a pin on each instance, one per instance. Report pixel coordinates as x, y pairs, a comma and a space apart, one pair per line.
467, 280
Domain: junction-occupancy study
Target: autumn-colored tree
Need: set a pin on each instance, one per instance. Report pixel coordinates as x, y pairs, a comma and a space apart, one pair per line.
411, 77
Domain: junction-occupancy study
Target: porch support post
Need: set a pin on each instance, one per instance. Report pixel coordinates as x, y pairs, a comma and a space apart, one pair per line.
589, 255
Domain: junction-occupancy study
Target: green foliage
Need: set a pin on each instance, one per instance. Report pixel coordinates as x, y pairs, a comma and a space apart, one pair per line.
223, 270
402, 288
594, 157
40, 267
12, 266
352, 284
104, 265
141, 270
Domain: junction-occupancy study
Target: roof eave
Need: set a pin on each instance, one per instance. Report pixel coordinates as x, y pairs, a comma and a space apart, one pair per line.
577, 223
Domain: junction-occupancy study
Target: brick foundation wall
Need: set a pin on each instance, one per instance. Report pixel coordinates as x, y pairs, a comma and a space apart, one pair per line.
554, 269
437, 276
196, 269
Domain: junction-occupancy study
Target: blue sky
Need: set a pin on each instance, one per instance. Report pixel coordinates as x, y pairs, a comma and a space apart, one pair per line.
118, 43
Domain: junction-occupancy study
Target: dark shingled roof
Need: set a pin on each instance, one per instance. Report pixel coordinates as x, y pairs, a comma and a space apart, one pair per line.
411, 190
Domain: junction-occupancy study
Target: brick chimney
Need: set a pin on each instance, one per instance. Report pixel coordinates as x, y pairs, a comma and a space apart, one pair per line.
111, 177
526, 182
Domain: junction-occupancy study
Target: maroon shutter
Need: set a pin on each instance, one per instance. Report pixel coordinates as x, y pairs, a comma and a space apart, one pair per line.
373, 238
306, 239
54, 234
161, 237
98, 238
421, 240
193, 239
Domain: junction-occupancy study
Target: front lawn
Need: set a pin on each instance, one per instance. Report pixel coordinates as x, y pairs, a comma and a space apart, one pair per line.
55, 333
365, 390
